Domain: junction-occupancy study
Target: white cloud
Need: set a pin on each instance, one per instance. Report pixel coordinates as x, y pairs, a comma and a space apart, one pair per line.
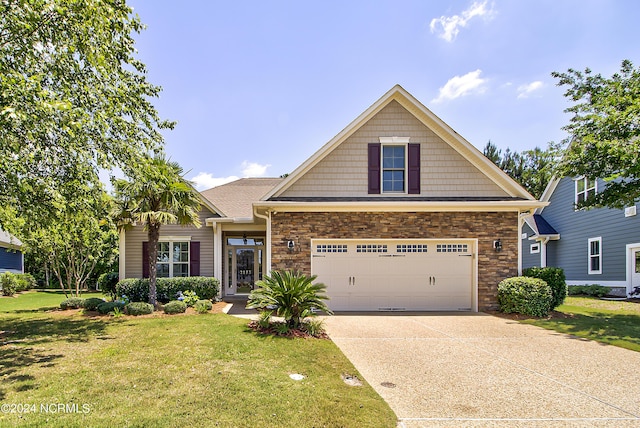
459, 86
253, 169
448, 27
205, 180
525, 90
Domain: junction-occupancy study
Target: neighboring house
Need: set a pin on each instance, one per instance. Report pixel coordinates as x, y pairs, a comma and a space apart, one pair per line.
596, 246
396, 212
11, 258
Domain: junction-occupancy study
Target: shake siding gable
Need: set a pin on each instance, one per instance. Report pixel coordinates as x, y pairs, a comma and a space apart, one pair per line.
346, 171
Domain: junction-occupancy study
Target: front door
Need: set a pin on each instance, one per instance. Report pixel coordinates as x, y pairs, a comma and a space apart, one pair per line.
635, 265
245, 270
244, 264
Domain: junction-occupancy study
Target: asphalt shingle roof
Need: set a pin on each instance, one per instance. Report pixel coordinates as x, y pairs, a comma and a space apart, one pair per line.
234, 199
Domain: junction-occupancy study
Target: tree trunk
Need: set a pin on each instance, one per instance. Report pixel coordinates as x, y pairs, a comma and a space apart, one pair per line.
154, 236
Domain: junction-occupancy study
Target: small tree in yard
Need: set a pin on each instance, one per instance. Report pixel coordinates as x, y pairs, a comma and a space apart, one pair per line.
156, 194
292, 295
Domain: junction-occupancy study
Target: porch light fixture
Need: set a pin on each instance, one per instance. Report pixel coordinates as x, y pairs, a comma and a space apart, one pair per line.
244, 238
497, 245
291, 245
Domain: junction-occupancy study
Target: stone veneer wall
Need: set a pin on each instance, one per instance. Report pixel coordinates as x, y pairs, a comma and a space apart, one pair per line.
493, 266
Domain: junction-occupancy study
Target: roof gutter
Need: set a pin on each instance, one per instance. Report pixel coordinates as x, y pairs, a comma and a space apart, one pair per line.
390, 206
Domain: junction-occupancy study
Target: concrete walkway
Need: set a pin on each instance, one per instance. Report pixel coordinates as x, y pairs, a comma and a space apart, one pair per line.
477, 370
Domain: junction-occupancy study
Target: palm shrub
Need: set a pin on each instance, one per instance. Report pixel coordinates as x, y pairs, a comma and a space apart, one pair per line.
291, 294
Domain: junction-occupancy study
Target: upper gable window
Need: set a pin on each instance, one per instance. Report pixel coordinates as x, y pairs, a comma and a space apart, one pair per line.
393, 168
585, 187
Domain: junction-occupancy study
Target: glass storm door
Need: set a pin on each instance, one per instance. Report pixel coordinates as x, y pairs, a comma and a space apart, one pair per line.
244, 269
635, 264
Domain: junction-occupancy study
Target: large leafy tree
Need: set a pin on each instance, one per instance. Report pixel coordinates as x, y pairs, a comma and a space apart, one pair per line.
604, 133
531, 168
73, 99
156, 194
81, 238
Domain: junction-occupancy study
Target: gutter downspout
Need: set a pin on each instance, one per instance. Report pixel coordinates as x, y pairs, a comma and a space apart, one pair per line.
121, 255
521, 217
266, 218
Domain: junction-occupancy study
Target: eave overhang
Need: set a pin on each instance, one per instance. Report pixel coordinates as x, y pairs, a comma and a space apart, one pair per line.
386, 206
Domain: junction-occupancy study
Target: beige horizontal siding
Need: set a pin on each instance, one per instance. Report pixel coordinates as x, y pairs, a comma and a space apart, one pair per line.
136, 236
443, 171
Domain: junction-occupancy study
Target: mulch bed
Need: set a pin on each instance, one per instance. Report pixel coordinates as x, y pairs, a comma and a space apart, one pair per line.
217, 309
292, 333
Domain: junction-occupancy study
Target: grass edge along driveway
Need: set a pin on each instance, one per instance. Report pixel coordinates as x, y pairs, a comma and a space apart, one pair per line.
611, 322
197, 370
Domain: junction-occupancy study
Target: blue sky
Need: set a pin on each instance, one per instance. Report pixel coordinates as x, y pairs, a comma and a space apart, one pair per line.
258, 86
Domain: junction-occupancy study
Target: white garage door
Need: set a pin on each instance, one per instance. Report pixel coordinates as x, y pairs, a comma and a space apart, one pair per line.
412, 275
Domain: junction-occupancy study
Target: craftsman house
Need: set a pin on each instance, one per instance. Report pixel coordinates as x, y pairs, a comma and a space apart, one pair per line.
396, 212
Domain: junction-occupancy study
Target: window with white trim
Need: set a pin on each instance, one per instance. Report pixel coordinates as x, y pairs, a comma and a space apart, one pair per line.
394, 166
173, 259
585, 187
534, 248
595, 255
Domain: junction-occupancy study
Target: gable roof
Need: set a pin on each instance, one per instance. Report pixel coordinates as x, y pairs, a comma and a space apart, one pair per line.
9, 241
235, 199
431, 121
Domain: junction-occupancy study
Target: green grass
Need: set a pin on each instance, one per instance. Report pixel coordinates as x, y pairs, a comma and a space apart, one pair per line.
37, 301
612, 322
188, 371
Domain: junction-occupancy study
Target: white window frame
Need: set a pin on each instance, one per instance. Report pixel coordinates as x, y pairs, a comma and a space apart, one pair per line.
534, 248
590, 256
587, 190
390, 142
172, 242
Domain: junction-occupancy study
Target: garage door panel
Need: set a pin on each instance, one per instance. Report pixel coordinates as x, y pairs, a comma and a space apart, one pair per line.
401, 275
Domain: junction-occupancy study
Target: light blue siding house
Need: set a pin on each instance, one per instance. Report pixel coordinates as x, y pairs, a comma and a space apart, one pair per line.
597, 246
11, 258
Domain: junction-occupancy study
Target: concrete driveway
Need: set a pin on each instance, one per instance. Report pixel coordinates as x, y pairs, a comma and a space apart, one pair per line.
478, 370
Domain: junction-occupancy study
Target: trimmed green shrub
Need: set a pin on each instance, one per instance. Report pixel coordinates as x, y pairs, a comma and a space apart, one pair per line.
92, 303
107, 283
525, 295
106, 307
203, 306
555, 279
175, 307
24, 281
167, 289
594, 290
138, 308
8, 284
72, 303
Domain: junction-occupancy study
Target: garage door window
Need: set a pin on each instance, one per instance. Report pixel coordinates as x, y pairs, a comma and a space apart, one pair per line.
451, 248
411, 248
371, 248
331, 248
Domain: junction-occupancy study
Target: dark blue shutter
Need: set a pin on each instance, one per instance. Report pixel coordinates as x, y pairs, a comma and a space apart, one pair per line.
194, 269
414, 169
374, 168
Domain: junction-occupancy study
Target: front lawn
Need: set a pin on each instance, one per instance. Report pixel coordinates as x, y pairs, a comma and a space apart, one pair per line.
197, 370
612, 322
